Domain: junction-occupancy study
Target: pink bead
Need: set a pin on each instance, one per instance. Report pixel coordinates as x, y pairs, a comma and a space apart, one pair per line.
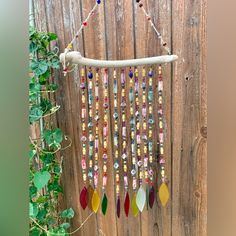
95, 178
104, 180
83, 113
126, 180
160, 85
123, 131
105, 79
83, 164
104, 156
162, 161
122, 78
138, 139
161, 137
96, 143
105, 131
144, 112
145, 163
96, 91
134, 184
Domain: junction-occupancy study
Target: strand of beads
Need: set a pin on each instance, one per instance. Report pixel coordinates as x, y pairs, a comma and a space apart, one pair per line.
163, 190
95, 201
84, 191
150, 136
132, 137
141, 196
105, 140
90, 126
124, 142
116, 145
96, 130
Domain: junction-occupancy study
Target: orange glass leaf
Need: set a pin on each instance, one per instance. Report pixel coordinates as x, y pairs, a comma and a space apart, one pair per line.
134, 205
90, 195
164, 194
95, 201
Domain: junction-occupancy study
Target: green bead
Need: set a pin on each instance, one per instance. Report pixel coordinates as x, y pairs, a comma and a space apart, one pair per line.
150, 95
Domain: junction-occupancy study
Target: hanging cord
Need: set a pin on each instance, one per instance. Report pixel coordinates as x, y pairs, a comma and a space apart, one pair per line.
70, 45
85, 23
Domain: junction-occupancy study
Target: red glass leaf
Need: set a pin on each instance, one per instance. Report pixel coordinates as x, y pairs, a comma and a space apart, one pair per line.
84, 198
126, 204
118, 207
151, 197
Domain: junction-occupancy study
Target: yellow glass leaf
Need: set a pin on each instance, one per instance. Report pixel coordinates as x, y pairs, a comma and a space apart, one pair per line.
164, 194
134, 205
95, 201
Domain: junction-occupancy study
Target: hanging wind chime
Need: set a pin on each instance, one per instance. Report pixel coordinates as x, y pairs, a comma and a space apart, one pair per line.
129, 119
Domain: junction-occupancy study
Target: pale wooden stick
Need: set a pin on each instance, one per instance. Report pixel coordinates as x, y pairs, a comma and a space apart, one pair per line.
75, 57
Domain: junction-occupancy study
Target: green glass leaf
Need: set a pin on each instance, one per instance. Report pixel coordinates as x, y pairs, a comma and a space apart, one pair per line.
141, 198
68, 213
41, 179
104, 204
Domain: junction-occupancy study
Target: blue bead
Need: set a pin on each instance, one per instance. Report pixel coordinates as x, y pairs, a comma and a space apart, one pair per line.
90, 75
150, 73
98, 1
131, 74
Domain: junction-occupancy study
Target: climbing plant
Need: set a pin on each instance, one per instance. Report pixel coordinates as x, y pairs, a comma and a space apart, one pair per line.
45, 140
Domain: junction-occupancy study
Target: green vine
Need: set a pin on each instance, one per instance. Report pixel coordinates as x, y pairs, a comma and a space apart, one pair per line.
44, 155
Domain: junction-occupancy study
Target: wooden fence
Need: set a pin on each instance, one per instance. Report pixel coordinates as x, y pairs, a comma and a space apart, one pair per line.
119, 30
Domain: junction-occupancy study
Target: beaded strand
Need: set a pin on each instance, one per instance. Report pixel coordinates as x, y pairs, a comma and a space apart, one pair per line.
90, 126
96, 142
116, 145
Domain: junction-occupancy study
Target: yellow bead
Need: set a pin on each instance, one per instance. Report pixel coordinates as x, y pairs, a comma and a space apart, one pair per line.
143, 72
82, 72
161, 150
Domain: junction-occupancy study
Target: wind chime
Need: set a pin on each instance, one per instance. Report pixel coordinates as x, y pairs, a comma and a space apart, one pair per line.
132, 140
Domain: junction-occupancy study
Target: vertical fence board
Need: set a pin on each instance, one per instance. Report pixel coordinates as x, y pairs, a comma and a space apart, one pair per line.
119, 30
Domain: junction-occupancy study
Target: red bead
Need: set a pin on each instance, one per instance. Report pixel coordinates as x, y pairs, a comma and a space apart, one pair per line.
85, 23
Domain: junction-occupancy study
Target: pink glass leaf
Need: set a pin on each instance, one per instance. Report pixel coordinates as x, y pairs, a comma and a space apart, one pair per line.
84, 198
151, 197
126, 204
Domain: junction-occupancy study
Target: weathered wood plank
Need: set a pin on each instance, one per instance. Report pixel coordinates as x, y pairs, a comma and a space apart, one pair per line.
189, 119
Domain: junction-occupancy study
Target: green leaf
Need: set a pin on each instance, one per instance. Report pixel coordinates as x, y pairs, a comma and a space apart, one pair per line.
55, 64
41, 214
57, 168
58, 135
44, 77
41, 199
33, 209
65, 225
32, 191
35, 232
68, 213
46, 105
35, 113
47, 158
32, 153
52, 36
39, 67
52, 87
41, 179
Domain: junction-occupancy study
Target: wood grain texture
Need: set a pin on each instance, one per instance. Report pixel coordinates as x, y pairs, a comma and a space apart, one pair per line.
118, 30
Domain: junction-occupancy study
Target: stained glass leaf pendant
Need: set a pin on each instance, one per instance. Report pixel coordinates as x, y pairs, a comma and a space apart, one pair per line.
164, 194
134, 206
95, 201
104, 204
151, 196
84, 198
141, 199
118, 207
126, 204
